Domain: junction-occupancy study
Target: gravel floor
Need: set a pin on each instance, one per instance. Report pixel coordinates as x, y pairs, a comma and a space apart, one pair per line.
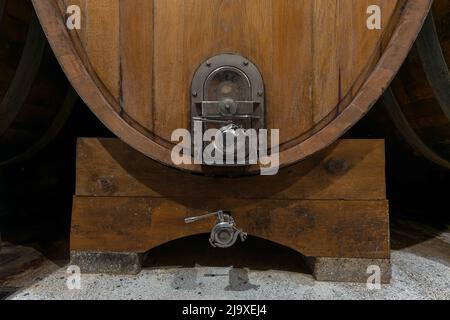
414, 277
420, 270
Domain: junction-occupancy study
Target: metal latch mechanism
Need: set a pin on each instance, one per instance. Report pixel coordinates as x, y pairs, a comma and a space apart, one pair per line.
224, 233
228, 94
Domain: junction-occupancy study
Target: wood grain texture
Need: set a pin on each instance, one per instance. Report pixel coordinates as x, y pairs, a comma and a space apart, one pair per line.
326, 57
82, 4
102, 41
291, 107
108, 167
344, 48
136, 60
168, 63
354, 229
311, 109
364, 41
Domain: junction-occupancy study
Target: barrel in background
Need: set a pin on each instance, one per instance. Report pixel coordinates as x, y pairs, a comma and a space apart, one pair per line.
35, 96
419, 101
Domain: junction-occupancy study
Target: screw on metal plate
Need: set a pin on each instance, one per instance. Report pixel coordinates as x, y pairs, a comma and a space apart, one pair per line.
224, 233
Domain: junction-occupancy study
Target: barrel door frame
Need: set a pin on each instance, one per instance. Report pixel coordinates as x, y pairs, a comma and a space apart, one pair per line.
411, 21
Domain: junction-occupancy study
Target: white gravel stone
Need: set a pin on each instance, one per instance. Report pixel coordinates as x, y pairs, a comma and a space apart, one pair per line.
414, 277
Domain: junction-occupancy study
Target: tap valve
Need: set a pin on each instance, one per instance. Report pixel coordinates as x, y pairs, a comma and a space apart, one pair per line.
225, 233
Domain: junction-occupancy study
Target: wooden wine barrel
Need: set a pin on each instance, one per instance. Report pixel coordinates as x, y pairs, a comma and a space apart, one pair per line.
34, 98
135, 62
419, 101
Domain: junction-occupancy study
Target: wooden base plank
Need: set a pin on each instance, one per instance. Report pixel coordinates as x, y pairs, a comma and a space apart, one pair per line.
350, 170
331, 207
322, 228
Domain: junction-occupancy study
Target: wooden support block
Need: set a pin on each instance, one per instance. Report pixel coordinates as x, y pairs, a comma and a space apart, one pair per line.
315, 228
349, 170
332, 206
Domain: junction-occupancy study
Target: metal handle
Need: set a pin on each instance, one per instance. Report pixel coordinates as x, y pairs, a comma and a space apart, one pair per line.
219, 214
224, 233
205, 216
